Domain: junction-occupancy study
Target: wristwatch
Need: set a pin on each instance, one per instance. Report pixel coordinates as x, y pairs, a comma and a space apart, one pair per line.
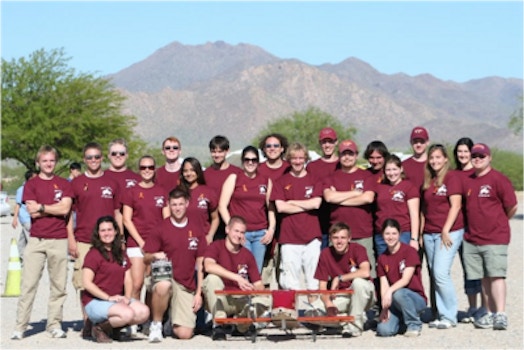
41, 209
340, 278
414, 239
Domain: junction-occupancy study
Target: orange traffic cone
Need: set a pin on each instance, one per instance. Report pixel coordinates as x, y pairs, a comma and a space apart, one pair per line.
14, 272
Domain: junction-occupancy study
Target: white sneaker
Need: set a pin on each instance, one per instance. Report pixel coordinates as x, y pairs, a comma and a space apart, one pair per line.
132, 331
155, 332
57, 333
17, 335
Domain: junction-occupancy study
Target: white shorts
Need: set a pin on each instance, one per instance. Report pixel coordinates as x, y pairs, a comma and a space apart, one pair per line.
134, 252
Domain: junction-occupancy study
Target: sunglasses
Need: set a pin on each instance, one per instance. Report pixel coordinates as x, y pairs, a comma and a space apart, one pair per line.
148, 167
274, 145
168, 148
121, 154
250, 160
97, 156
481, 156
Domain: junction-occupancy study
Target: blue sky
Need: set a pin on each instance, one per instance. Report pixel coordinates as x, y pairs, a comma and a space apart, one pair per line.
451, 40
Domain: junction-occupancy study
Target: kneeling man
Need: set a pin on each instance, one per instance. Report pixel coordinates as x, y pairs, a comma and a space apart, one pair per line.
346, 265
183, 243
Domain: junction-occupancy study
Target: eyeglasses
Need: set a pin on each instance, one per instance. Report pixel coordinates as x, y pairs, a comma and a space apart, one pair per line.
272, 145
168, 148
96, 156
481, 156
121, 154
148, 167
250, 160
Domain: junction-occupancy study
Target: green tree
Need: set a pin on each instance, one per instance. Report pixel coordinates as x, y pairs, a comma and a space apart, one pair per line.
516, 119
304, 127
44, 101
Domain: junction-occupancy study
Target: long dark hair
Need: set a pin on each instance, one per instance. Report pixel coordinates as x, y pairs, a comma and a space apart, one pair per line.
116, 246
462, 141
198, 170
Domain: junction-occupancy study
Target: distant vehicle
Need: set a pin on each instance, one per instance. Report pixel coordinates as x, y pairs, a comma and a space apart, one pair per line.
5, 208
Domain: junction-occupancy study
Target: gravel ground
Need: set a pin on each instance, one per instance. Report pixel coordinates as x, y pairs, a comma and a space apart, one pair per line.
464, 336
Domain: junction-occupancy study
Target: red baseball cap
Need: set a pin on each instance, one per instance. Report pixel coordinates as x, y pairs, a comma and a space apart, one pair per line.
327, 133
347, 145
419, 132
481, 149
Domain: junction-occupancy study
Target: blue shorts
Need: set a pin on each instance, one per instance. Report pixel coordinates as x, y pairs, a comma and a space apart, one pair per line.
98, 310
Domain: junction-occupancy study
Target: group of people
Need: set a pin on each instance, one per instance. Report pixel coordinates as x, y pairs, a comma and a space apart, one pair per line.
159, 243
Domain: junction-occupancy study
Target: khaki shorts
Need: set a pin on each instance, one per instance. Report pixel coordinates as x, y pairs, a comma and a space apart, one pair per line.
83, 248
485, 260
181, 311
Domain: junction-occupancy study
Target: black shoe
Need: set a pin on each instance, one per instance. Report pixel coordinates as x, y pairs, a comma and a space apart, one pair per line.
219, 333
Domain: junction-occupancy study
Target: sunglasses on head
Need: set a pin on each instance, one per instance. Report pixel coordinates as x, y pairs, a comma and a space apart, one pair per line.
168, 148
121, 154
96, 156
476, 155
148, 167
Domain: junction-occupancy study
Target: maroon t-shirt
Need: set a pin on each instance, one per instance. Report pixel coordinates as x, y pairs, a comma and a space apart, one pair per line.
392, 266
331, 264
359, 218
109, 275
303, 227
48, 192
414, 172
147, 205
242, 263
392, 202
487, 198
321, 169
182, 245
375, 177
94, 198
215, 177
202, 203
125, 179
436, 205
166, 179
464, 175
273, 173
249, 201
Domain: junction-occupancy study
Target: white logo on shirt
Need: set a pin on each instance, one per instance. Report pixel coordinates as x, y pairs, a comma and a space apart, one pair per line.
485, 191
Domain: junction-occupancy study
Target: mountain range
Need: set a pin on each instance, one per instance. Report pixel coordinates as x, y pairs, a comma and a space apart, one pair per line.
196, 92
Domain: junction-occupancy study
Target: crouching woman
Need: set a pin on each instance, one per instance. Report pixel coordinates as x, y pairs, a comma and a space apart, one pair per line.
106, 275
402, 293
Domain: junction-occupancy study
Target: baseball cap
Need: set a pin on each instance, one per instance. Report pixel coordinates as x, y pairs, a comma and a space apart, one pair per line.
327, 133
481, 149
419, 132
347, 145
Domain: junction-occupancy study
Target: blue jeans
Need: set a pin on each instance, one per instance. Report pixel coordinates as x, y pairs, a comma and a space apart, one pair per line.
440, 260
381, 246
405, 307
255, 247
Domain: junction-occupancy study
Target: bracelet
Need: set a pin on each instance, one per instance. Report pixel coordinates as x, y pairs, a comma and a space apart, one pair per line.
414, 239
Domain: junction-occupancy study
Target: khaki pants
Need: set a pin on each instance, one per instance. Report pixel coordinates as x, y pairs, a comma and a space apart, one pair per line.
37, 252
356, 304
223, 306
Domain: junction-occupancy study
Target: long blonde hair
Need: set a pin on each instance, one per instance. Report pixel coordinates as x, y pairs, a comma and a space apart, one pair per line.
429, 173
